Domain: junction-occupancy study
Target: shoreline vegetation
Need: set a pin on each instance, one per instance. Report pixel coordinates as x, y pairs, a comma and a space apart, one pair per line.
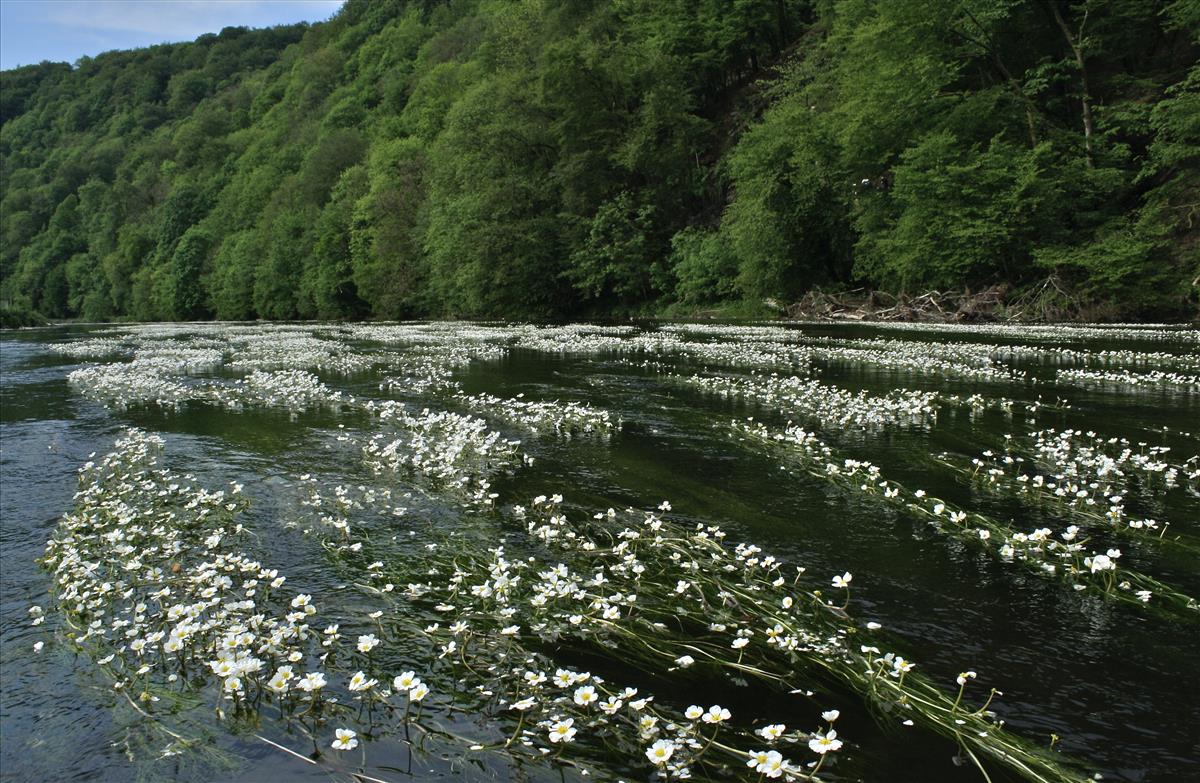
1044, 304
548, 161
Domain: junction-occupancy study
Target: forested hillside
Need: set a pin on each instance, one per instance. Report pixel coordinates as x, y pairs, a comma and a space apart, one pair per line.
551, 158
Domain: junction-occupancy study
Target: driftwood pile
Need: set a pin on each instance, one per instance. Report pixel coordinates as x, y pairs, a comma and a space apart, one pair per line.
1045, 302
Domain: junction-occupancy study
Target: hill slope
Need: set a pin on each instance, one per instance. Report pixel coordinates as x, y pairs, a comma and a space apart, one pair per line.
546, 158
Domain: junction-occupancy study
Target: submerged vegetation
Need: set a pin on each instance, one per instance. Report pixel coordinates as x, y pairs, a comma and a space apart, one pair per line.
546, 158
557, 634
153, 583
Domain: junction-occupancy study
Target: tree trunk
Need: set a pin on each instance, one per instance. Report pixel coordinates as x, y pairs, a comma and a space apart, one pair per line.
1075, 41
782, 24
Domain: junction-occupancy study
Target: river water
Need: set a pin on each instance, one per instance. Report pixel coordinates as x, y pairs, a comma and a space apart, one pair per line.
1116, 682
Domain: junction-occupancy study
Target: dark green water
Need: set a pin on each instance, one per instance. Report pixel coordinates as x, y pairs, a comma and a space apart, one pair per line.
1119, 685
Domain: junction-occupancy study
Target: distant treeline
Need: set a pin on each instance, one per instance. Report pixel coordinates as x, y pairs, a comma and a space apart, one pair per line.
554, 158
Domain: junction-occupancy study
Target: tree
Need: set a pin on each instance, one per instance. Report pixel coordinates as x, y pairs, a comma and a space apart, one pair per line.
186, 299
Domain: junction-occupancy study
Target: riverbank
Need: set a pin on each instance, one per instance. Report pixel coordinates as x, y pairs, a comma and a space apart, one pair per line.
1048, 302
17, 317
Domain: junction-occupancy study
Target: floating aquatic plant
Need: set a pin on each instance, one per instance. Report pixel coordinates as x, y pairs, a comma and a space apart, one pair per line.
1063, 554
665, 598
161, 588
561, 418
832, 407
1124, 380
443, 447
1082, 475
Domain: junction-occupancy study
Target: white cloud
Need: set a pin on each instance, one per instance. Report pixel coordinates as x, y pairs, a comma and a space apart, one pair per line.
178, 20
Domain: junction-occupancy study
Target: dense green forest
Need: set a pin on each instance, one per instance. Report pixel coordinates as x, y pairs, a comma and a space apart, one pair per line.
555, 158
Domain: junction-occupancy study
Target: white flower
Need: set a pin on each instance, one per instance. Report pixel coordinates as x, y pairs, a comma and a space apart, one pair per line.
964, 676
611, 705
345, 740
716, 714
824, 743
419, 691
772, 732
843, 580
563, 730
739, 642
660, 752
693, 712
757, 759
585, 696
767, 762
684, 661
313, 681
367, 643
359, 682
405, 681
1102, 563
523, 704
830, 715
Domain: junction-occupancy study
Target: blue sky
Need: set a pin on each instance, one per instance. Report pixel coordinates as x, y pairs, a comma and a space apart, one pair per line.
65, 30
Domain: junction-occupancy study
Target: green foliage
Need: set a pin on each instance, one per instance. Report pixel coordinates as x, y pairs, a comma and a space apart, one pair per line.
16, 317
960, 143
704, 267
232, 280
618, 253
492, 241
328, 275
788, 227
962, 215
386, 259
544, 158
184, 295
